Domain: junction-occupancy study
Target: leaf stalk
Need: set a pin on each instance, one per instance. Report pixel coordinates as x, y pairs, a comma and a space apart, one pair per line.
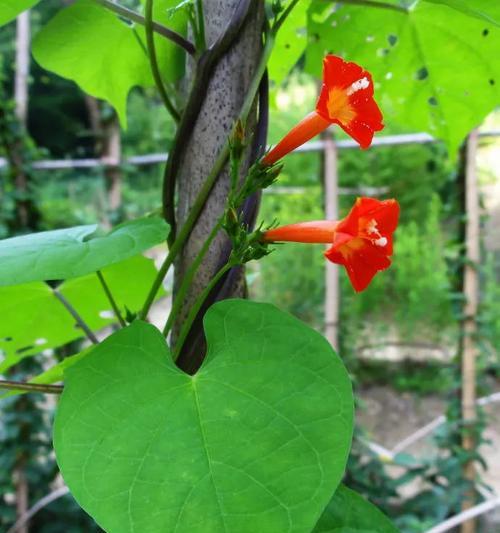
30, 387
129, 14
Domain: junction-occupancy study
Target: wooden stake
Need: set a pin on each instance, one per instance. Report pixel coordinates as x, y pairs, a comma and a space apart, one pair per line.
471, 295
112, 156
22, 67
332, 213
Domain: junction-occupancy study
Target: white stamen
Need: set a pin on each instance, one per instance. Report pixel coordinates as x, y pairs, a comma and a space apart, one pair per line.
381, 242
363, 83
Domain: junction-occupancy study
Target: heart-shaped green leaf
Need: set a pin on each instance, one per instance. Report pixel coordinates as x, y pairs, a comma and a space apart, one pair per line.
435, 64
348, 512
9, 9
105, 56
69, 253
33, 319
257, 440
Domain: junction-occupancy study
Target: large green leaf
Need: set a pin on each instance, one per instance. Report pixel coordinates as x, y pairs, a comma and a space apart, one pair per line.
290, 43
10, 9
257, 440
348, 512
33, 319
105, 56
436, 68
69, 253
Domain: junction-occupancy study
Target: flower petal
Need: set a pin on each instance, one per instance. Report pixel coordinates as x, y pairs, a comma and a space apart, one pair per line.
382, 215
346, 99
361, 259
385, 212
340, 73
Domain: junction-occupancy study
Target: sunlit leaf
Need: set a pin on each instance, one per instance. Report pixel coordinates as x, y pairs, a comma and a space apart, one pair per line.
33, 319
436, 68
290, 43
10, 9
262, 430
104, 55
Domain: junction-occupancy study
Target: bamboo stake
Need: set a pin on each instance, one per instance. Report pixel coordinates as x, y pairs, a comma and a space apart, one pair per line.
331, 211
112, 156
471, 292
22, 67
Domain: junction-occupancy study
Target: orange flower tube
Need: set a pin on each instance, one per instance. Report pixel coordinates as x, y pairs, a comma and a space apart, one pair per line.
361, 242
346, 99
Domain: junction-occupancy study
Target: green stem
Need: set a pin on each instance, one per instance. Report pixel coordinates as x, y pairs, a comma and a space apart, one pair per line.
153, 60
173, 36
202, 42
284, 15
30, 387
160, 276
210, 181
188, 278
78, 319
186, 325
112, 301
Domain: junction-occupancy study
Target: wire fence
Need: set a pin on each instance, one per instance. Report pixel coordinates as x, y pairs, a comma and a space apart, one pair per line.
158, 158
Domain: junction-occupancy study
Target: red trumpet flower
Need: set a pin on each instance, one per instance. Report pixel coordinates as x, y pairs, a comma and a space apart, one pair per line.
362, 241
346, 99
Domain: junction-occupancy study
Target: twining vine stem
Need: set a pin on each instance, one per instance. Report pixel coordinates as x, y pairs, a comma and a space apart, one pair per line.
186, 325
153, 60
281, 19
172, 35
111, 300
204, 69
188, 278
211, 179
79, 320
